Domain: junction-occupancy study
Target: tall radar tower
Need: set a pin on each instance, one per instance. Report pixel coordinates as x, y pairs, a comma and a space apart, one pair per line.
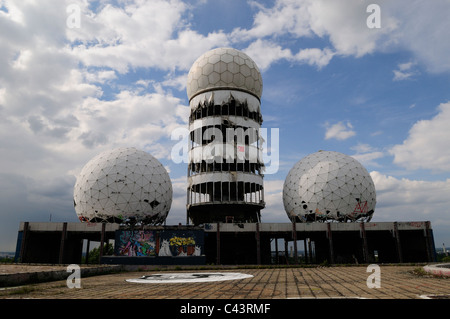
225, 171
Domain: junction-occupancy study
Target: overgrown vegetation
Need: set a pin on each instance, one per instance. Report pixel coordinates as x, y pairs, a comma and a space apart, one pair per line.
441, 258
6, 260
94, 254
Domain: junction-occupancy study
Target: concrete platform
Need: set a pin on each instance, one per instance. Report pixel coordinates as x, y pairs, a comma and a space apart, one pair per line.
23, 274
338, 282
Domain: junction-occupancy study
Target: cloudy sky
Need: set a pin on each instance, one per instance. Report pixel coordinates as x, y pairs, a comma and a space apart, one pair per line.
81, 77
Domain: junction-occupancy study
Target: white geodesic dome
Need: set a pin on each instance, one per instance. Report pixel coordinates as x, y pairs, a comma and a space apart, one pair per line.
326, 186
123, 185
224, 68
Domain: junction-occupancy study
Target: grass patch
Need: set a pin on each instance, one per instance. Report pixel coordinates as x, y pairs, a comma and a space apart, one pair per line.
15, 291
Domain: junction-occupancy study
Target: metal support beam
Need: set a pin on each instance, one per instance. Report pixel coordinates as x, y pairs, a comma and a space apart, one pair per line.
61, 246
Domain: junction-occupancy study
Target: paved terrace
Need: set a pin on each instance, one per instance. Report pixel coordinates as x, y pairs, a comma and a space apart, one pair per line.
397, 282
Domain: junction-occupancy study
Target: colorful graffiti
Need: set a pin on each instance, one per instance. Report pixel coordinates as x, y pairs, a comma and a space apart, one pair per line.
361, 207
158, 243
136, 243
181, 244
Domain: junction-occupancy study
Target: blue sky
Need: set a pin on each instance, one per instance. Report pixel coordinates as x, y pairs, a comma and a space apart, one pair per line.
118, 79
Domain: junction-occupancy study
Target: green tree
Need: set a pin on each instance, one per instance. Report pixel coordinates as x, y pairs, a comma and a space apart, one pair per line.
94, 254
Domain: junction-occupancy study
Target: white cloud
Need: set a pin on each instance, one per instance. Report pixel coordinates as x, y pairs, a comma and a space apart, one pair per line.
177, 212
284, 17
101, 76
314, 56
405, 71
411, 200
22, 61
427, 145
362, 148
266, 52
342, 22
273, 196
178, 82
422, 30
366, 154
141, 34
405, 25
130, 118
339, 131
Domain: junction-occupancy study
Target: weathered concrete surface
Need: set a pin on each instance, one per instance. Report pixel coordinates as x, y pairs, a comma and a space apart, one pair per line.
397, 282
22, 274
438, 269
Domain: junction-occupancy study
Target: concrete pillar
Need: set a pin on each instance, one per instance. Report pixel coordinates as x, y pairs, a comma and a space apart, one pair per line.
102, 240
397, 242
26, 225
305, 248
286, 252
276, 251
218, 244
87, 251
429, 242
258, 245
330, 243
294, 235
365, 246
310, 251
63, 240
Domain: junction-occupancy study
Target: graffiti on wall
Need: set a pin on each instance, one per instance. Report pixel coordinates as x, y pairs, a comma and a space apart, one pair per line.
158, 243
182, 243
135, 243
